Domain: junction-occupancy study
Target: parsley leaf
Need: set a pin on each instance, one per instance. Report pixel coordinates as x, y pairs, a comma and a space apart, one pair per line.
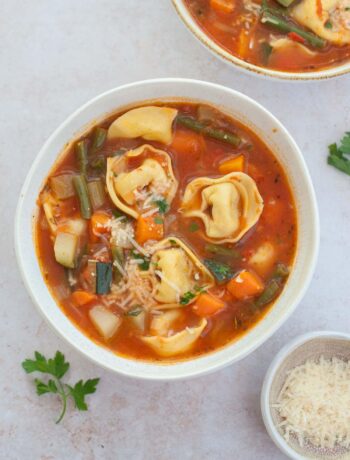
221, 271
345, 144
80, 390
193, 227
187, 297
163, 206
143, 262
337, 154
57, 367
328, 25
134, 312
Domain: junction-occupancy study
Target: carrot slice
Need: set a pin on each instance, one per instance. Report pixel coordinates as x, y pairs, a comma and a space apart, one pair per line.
99, 225
82, 297
188, 143
232, 165
207, 305
149, 228
245, 284
223, 6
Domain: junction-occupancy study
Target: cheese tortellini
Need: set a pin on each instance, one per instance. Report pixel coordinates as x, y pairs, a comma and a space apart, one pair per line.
332, 23
177, 343
228, 206
178, 271
151, 122
133, 191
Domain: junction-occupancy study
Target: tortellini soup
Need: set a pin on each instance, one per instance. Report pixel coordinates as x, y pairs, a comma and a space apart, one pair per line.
166, 231
284, 35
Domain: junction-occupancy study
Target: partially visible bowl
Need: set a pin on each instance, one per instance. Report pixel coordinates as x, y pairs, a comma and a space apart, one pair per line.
240, 107
308, 346
247, 67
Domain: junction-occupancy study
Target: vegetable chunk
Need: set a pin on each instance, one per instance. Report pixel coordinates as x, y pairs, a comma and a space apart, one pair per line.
207, 305
66, 249
245, 284
106, 322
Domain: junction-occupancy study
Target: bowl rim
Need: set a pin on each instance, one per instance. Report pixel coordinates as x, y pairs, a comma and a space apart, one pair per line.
246, 67
156, 374
275, 364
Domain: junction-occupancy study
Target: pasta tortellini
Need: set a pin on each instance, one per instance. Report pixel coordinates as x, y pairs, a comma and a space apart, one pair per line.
178, 271
228, 206
132, 190
152, 123
178, 343
331, 23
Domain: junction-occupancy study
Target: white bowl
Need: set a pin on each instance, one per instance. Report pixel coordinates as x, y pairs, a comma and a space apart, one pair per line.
246, 111
296, 352
218, 50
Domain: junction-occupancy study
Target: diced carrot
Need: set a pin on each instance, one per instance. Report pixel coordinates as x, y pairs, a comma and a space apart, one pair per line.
188, 143
99, 225
82, 297
207, 305
232, 165
245, 284
149, 228
243, 43
223, 6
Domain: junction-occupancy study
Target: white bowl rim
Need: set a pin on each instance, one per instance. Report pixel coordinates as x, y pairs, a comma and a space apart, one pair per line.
285, 351
219, 51
156, 374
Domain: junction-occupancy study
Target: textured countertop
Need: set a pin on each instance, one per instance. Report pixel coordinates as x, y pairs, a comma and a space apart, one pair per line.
54, 56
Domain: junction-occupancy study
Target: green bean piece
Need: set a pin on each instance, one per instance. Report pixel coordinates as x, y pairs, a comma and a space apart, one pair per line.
99, 138
99, 164
281, 271
222, 251
81, 152
268, 294
214, 133
118, 256
284, 26
81, 189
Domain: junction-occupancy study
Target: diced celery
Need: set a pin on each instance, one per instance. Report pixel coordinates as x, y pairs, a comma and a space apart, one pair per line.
62, 186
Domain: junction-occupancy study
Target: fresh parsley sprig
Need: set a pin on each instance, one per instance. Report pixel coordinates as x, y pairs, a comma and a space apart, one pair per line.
57, 367
337, 155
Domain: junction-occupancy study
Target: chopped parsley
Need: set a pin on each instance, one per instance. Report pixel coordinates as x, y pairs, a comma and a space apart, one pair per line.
187, 297
57, 368
328, 24
193, 227
337, 154
266, 50
143, 262
163, 206
116, 213
119, 152
222, 272
137, 309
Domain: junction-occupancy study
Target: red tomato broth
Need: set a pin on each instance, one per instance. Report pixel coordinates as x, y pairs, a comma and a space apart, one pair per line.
237, 317
230, 33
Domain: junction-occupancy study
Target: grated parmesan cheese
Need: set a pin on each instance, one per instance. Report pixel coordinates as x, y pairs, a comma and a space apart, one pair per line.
314, 403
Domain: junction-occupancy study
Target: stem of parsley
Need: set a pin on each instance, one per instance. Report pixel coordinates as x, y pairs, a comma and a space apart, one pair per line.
63, 395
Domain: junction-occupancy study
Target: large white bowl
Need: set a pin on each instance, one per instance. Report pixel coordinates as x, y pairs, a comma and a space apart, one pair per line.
246, 111
218, 50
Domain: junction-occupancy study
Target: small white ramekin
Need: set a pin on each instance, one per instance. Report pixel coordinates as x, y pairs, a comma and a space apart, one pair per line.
248, 112
247, 67
294, 353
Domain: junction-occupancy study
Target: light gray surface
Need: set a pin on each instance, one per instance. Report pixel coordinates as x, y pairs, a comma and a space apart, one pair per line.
54, 56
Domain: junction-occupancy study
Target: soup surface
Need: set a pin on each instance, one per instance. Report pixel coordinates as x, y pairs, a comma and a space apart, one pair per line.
166, 231
285, 35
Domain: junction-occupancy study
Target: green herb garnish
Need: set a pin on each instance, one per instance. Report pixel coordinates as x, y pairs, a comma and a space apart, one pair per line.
222, 250
116, 213
57, 368
119, 152
221, 271
193, 227
163, 206
143, 262
187, 297
337, 154
328, 25
266, 50
134, 312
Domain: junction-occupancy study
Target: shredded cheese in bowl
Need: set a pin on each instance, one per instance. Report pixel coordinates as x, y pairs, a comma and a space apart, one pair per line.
314, 403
